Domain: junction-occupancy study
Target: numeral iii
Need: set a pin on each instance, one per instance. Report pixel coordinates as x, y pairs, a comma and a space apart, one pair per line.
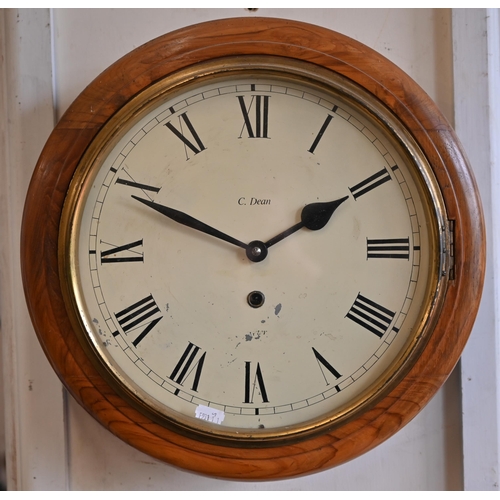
397, 248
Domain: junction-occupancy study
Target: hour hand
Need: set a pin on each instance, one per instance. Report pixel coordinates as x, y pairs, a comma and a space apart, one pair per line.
187, 220
314, 216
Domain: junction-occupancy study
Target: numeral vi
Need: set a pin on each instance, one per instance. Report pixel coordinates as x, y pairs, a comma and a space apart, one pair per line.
254, 381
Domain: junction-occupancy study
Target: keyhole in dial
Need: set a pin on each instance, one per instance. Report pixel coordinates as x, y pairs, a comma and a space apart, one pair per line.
255, 299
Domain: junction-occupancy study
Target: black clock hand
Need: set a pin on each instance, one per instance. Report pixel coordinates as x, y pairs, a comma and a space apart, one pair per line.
313, 216
191, 222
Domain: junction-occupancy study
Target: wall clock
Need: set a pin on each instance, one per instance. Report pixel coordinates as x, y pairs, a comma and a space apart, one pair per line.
262, 250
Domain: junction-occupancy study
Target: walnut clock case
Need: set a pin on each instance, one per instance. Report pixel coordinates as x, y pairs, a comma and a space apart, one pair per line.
253, 248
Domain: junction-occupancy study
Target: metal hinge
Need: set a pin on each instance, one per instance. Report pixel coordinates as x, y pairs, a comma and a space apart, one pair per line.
451, 253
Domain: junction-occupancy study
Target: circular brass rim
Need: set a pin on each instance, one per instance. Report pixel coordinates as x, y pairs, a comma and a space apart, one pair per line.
290, 70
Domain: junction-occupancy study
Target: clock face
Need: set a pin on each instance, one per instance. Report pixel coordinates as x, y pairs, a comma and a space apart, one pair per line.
253, 254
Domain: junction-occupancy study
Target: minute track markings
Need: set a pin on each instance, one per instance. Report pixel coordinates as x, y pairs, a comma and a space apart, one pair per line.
266, 376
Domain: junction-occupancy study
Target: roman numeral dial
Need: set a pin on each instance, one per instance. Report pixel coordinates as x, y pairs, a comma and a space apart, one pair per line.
176, 237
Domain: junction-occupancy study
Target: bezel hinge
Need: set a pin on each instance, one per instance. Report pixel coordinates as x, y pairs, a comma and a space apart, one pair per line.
451, 250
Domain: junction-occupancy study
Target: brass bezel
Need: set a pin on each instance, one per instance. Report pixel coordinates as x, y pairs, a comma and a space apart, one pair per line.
288, 69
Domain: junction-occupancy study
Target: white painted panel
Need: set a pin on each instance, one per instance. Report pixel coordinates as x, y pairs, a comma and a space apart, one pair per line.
476, 36
426, 455
87, 41
33, 395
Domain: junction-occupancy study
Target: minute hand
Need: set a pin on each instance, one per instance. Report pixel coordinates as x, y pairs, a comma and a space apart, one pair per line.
313, 216
187, 220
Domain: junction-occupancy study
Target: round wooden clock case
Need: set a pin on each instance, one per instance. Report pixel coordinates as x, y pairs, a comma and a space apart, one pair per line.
356, 146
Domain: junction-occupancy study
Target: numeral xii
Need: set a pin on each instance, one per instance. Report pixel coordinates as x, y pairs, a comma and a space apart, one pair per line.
258, 125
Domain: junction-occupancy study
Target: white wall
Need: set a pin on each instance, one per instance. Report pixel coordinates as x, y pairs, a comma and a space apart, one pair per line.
52, 443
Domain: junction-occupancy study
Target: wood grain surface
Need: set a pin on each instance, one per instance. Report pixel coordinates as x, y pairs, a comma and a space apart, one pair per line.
134, 73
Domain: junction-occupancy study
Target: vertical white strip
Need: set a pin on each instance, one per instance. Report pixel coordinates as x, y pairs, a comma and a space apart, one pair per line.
493, 36
8, 379
53, 42
36, 458
476, 58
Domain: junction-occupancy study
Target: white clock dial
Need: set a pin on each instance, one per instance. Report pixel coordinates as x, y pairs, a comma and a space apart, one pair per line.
293, 330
